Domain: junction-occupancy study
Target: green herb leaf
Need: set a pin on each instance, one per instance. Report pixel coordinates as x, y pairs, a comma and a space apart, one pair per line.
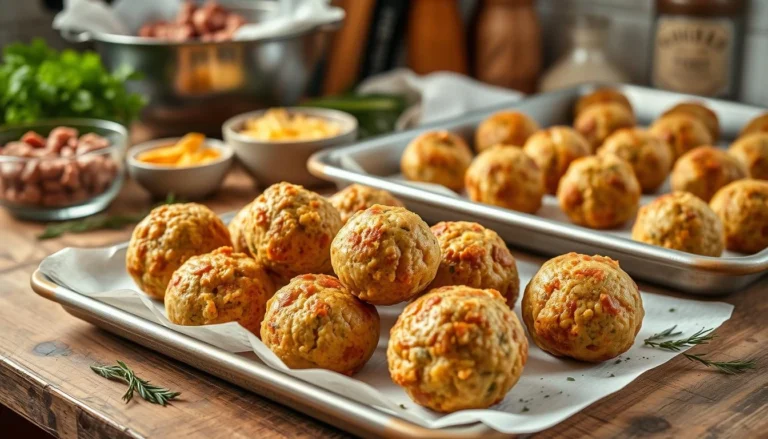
149, 392
730, 367
703, 336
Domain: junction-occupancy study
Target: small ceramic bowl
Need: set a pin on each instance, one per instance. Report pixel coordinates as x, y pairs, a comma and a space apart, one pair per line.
188, 182
271, 162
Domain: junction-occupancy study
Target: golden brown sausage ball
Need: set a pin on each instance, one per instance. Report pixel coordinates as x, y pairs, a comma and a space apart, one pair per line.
553, 149
752, 152
438, 157
682, 132
236, 230
385, 255
703, 170
600, 192
598, 121
219, 287
509, 128
756, 125
680, 221
476, 257
166, 238
357, 197
457, 348
506, 177
601, 96
650, 157
583, 307
289, 230
742, 206
701, 112
314, 322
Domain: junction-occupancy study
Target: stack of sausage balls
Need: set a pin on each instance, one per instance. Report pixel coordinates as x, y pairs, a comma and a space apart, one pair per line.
599, 168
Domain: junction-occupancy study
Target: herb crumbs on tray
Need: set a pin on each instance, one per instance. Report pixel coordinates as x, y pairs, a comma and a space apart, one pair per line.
571, 379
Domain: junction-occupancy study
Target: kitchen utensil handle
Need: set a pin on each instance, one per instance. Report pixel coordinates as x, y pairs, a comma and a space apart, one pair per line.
74, 36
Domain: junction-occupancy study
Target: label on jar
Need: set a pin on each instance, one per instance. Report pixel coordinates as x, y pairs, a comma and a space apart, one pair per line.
694, 55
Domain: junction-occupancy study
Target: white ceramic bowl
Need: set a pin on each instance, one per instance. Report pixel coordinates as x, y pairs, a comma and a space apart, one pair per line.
271, 162
188, 183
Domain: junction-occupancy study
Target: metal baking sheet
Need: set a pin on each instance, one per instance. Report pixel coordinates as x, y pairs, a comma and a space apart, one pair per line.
376, 163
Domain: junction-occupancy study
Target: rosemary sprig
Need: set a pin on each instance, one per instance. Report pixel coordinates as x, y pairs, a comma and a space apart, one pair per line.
150, 392
662, 335
703, 336
730, 367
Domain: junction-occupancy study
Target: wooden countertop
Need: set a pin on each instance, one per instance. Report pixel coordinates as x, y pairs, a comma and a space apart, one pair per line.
45, 354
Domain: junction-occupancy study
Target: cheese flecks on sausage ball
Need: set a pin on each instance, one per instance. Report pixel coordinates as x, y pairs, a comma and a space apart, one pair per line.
166, 238
701, 112
650, 157
314, 322
598, 121
357, 197
506, 177
219, 287
756, 125
438, 157
236, 230
508, 128
385, 255
476, 257
682, 132
704, 170
742, 206
601, 96
680, 221
583, 307
289, 230
457, 348
752, 152
553, 150
600, 192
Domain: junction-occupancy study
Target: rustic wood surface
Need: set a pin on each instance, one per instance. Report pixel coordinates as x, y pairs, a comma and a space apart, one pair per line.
45, 354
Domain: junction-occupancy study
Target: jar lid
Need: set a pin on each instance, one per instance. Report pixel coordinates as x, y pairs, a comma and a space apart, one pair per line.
702, 8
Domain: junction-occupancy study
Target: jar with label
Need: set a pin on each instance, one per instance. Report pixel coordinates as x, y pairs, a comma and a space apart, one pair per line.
697, 46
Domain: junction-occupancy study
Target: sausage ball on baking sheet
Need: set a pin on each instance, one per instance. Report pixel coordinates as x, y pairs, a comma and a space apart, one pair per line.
598, 121
600, 192
438, 157
742, 206
506, 177
553, 149
236, 230
756, 125
457, 348
682, 132
289, 230
752, 152
703, 170
477, 257
601, 96
314, 322
219, 287
385, 255
509, 128
701, 112
680, 221
583, 307
166, 238
357, 197
650, 157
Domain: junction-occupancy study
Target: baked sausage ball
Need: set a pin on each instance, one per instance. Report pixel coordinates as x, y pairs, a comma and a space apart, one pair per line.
314, 322
598, 121
650, 157
438, 157
752, 152
166, 238
701, 112
553, 150
742, 206
457, 348
385, 255
680, 221
509, 128
583, 307
236, 230
289, 230
756, 125
703, 170
219, 287
682, 132
601, 96
506, 177
600, 192
357, 197
477, 257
